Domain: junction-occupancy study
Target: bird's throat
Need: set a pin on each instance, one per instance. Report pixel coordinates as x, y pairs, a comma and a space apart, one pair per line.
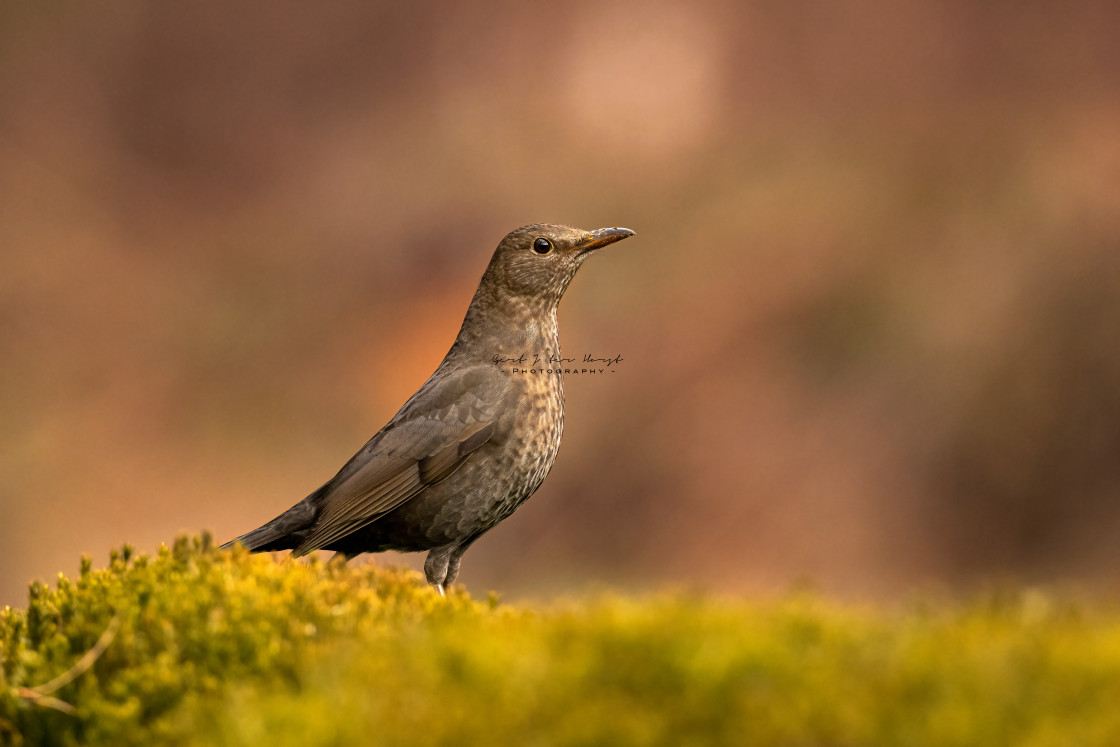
510, 328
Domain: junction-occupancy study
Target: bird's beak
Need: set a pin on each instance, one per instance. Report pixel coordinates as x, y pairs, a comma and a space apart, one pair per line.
600, 238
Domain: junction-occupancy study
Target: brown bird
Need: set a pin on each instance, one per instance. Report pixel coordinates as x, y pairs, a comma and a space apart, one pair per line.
475, 441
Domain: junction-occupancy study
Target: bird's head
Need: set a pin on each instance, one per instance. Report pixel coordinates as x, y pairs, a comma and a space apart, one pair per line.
539, 260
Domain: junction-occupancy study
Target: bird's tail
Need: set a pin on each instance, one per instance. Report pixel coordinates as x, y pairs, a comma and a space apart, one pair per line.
261, 539
285, 532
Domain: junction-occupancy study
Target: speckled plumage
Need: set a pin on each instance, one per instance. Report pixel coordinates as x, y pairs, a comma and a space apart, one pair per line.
475, 441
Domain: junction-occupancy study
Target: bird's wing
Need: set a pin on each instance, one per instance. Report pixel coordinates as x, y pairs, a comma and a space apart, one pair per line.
433, 435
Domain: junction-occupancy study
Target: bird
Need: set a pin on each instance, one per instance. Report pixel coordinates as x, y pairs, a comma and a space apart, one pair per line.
479, 436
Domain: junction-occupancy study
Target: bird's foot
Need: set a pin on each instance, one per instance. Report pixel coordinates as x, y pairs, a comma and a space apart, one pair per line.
439, 588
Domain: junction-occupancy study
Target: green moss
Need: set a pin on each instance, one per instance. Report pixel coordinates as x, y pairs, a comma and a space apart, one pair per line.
224, 648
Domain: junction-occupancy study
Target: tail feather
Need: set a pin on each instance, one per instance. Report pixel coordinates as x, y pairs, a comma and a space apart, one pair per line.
285, 532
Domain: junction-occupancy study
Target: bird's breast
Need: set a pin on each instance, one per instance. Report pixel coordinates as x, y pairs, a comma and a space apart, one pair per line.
531, 443
540, 421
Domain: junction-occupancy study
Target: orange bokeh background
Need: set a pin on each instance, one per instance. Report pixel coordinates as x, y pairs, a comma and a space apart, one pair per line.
870, 325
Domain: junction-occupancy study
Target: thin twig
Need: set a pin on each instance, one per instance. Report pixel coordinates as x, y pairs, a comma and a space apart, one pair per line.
41, 695
45, 700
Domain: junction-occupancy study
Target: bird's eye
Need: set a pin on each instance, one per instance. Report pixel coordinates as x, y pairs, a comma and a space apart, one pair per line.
542, 246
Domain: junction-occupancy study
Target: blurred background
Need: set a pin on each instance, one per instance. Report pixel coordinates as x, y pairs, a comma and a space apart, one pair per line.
870, 326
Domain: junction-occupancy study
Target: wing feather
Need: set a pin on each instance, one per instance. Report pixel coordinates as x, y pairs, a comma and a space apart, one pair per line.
351, 510
434, 434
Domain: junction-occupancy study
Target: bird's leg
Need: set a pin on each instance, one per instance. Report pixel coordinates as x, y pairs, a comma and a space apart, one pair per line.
442, 565
453, 560
435, 567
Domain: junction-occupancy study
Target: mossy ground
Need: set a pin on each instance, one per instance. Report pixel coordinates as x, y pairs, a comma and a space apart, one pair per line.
224, 648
